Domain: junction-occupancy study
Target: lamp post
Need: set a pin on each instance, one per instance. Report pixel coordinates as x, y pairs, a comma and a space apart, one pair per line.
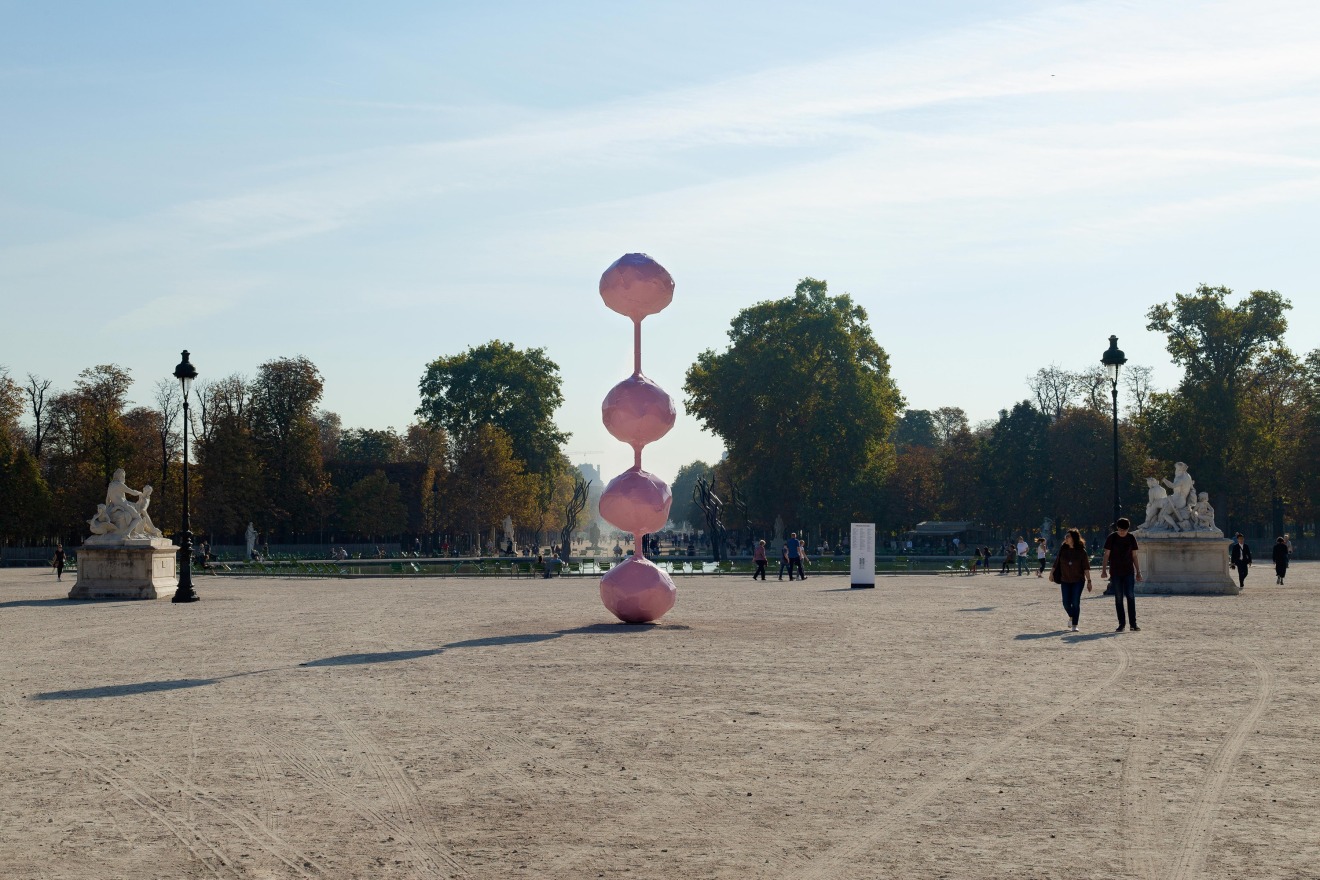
185, 372
1113, 359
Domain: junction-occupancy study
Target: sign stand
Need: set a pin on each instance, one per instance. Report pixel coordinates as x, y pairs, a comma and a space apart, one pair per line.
863, 556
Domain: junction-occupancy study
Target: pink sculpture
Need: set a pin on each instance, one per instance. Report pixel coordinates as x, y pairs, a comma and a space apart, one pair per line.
638, 412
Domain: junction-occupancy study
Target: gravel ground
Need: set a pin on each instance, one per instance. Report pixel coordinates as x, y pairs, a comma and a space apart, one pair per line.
422, 728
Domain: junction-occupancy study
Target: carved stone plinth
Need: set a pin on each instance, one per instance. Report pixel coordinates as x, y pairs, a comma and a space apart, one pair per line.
134, 569
1181, 563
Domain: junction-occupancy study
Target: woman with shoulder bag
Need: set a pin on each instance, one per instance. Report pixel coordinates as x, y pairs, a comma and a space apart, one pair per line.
1072, 570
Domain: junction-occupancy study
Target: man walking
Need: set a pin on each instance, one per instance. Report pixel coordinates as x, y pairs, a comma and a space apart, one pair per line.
1022, 555
1239, 557
1121, 561
796, 553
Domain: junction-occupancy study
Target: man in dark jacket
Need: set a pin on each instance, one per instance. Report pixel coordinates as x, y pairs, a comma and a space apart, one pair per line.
1120, 559
1239, 557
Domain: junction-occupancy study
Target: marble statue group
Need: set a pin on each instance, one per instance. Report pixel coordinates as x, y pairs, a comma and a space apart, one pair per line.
1177, 508
120, 519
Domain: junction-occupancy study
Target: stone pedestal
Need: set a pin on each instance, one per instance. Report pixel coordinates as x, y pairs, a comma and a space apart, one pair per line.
132, 569
1184, 563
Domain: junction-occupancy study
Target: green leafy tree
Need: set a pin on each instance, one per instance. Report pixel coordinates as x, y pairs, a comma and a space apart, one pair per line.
1217, 344
496, 384
486, 483
959, 469
684, 509
228, 463
372, 446
1080, 450
25, 514
912, 492
1015, 468
373, 507
1271, 413
1304, 473
27, 500
917, 427
297, 494
805, 405
950, 421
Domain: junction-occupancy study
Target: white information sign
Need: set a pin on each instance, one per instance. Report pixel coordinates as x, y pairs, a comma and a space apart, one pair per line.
863, 556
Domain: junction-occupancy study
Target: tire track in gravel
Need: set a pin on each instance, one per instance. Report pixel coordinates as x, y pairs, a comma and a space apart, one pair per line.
259, 833
401, 792
889, 820
1142, 814
1192, 842
144, 801
316, 771
95, 764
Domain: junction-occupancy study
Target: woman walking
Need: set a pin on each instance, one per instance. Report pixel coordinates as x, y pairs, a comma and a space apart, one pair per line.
1041, 553
1072, 570
58, 562
758, 556
1281, 555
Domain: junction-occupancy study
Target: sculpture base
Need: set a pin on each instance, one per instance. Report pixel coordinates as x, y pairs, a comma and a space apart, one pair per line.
1189, 564
131, 570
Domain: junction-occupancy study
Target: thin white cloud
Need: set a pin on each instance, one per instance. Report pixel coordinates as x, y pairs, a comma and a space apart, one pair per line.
855, 110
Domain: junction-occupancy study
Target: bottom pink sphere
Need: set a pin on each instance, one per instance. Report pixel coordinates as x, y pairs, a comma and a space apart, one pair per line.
637, 591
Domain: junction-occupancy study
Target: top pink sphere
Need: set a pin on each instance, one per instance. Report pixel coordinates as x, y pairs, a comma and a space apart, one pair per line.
636, 285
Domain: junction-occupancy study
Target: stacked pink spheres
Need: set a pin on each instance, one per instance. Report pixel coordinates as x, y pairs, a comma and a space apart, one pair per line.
638, 412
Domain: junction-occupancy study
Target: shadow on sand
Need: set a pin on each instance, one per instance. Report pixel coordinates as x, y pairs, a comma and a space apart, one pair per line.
1088, 637
125, 690
149, 687
379, 657
47, 603
492, 642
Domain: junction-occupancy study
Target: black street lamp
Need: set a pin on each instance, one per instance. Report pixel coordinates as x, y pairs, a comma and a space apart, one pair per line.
1113, 359
185, 372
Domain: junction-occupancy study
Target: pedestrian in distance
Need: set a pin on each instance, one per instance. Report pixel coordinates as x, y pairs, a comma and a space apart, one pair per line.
1021, 549
1072, 571
58, 562
1281, 555
797, 554
784, 564
1010, 556
1120, 560
758, 556
976, 560
1239, 557
1041, 553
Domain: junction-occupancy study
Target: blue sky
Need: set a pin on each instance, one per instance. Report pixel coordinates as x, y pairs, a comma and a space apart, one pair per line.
1001, 185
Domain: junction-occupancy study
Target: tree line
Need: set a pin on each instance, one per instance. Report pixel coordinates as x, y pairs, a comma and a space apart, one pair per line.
817, 434
484, 447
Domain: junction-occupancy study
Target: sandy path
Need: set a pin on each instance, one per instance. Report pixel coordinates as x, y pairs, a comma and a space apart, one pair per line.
933, 727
